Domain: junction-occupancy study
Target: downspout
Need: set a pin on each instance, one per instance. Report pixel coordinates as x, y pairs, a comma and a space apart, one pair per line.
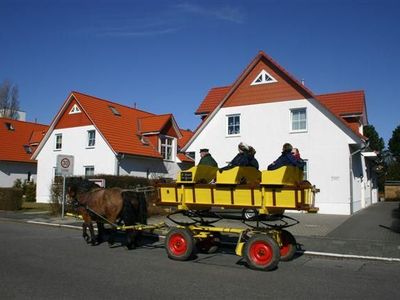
351, 174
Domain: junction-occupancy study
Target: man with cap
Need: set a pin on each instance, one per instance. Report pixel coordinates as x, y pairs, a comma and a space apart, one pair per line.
207, 159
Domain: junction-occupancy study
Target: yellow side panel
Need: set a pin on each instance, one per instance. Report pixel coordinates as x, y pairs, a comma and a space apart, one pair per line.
167, 194
286, 175
197, 174
239, 175
222, 196
203, 195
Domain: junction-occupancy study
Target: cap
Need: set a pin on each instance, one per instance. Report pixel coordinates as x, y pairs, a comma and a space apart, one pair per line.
204, 150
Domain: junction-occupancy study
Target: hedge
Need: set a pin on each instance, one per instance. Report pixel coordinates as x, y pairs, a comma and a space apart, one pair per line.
10, 198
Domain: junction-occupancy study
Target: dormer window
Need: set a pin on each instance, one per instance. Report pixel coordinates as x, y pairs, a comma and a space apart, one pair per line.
9, 126
263, 78
144, 140
166, 147
114, 111
28, 149
75, 110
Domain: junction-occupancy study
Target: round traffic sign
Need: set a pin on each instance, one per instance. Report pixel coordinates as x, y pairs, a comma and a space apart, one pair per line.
65, 163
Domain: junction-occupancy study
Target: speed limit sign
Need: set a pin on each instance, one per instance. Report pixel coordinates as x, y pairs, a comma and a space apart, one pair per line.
65, 164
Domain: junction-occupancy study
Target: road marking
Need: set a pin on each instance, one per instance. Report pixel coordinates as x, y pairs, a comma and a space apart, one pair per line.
349, 256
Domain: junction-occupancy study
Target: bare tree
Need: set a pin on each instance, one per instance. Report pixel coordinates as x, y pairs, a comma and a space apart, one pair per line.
9, 103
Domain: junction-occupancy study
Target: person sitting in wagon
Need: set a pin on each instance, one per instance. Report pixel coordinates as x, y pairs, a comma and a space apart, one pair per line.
245, 158
207, 159
287, 159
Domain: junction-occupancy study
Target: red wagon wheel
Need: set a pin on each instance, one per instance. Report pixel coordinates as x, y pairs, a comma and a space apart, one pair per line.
179, 244
261, 252
288, 248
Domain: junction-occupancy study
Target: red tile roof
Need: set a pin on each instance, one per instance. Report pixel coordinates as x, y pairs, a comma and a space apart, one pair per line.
212, 99
120, 131
186, 135
153, 123
20, 134
344, 103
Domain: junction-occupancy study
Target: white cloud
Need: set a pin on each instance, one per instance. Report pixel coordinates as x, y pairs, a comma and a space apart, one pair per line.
226, 13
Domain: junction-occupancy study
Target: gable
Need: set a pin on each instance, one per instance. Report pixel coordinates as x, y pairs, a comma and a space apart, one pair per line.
281, 88
75, 119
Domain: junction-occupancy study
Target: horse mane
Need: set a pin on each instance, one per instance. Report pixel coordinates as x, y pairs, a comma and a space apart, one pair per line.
82, 185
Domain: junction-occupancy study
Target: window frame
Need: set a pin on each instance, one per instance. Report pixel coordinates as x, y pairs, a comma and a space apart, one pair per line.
263, 74
86, 168
234, 124
89, 139
57, 144
163, 147
292, 113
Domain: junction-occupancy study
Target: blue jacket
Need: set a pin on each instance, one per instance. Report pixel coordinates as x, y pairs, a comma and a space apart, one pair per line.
286, 159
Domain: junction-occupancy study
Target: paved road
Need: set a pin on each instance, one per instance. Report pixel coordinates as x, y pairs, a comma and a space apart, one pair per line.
40, 262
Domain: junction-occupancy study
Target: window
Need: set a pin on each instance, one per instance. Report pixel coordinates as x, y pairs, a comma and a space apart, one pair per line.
114, 111
166, 147
299, 119
58, 144
89, 170
263, 78
91, 138
305, 170
28, 149
74, 110
233, 124
9, 126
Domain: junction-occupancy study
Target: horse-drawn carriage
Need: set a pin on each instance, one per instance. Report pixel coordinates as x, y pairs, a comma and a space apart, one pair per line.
260, 197
203, 195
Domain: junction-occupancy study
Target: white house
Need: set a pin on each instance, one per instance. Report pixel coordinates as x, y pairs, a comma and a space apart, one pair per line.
105, 137
267, 107
18, 140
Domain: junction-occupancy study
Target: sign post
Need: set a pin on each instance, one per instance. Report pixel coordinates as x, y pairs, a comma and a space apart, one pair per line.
65, 167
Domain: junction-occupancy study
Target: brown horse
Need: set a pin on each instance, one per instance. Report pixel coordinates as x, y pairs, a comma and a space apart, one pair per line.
114, 206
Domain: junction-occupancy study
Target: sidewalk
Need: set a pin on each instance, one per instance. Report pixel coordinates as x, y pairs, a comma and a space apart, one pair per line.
373, 231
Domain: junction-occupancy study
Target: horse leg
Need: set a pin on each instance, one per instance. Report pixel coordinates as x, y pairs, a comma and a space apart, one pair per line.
85, 236
130, 240
100, 232
92, 235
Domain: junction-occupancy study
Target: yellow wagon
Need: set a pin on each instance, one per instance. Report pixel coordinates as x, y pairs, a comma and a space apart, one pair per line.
262, 197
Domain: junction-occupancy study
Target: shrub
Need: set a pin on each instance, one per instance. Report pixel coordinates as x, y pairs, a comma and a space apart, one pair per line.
56, 195
28, 189
10, 198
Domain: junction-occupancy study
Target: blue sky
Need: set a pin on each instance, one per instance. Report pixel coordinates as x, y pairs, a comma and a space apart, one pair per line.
165, 55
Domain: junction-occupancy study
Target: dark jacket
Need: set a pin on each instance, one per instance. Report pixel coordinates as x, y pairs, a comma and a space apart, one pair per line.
242, 160
286, 159
208, 160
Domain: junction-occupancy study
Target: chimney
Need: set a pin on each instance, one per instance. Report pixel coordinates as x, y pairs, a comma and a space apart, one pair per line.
303, 82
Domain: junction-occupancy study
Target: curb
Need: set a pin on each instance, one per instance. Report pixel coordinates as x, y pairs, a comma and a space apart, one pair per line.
303, 252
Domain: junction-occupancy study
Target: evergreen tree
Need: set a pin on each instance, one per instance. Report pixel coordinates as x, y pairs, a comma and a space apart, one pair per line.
394, 143
376, 143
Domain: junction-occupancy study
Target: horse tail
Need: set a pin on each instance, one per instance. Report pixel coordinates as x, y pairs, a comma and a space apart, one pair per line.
128, 213
134, 208
142, 208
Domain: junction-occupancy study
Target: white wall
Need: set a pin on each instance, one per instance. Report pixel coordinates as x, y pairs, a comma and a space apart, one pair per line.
74, 142
149, 167
267, 127
11, 171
